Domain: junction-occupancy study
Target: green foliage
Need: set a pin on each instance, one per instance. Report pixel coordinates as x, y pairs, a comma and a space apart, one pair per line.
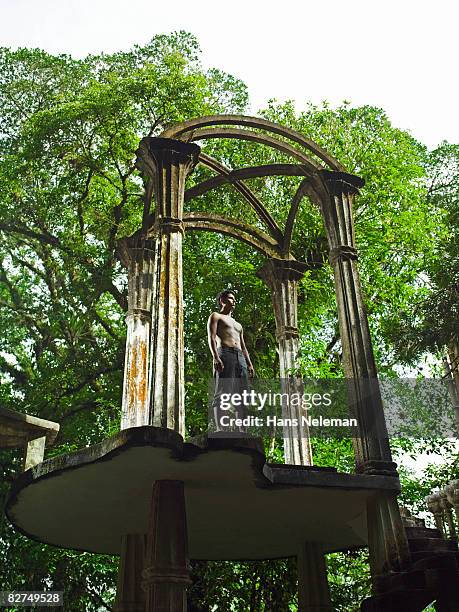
69, 130
396, 231
349, 579
431, 321
86, 580
259, 586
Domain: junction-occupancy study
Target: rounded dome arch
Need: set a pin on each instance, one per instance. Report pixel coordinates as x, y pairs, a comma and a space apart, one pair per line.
308, 161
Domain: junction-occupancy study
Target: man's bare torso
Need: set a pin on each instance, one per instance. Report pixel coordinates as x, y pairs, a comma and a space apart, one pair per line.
228, 331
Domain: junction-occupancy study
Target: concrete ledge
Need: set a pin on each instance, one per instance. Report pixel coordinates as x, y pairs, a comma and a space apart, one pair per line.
238, 507
328, 477
17, 428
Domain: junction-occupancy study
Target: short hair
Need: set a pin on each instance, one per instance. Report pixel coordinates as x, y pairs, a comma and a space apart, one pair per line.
225, 293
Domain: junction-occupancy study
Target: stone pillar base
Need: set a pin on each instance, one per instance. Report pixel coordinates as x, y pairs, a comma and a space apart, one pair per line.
166, 574
313, 589
129, 595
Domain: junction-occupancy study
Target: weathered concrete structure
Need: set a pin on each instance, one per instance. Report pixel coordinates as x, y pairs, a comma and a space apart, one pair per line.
184, 495
282, 276
18, 430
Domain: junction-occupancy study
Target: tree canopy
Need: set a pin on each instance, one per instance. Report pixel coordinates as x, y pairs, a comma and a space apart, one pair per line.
69, 130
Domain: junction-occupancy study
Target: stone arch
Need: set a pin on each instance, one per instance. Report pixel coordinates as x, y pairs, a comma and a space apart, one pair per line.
260, 130
254, 237
180, 130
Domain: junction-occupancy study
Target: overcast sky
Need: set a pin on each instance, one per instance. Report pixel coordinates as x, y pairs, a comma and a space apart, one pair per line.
400, 55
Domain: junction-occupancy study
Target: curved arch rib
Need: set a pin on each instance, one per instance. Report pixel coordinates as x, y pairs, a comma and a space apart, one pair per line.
249, 196
270, 170
256, 238
274, 143
177, 130
289, 225
245, 173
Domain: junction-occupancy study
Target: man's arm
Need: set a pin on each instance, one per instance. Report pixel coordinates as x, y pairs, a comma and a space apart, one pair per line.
245, 352
212, 325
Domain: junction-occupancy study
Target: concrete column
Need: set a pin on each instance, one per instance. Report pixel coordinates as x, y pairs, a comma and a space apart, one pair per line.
138, 256
35, 452
434, 506
130, 597
282, 277
447, 512
388, 546
167, 163
166, 574
452, 492
372, 449
313, 589
387, 538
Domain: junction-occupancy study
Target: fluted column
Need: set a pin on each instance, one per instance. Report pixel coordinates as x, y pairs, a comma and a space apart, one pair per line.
448, 514
167, 163
313, 589
282, 277
138, 256
452, 493
130, 597
387, 538
166, 574
435, 507
372, 449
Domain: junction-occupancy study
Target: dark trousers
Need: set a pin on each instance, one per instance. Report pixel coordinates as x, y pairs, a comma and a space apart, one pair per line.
233, 380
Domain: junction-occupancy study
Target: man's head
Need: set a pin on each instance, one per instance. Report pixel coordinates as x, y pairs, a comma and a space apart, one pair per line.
227, 300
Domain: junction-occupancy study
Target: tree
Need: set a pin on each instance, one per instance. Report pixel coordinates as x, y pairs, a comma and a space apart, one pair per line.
431, 323
69, 131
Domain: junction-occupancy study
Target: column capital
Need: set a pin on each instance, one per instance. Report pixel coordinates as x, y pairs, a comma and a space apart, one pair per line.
166, 225
166, 162
173, 574
131, 248
156, 152
285, 332
282, 269
140, 313
343, 252
433, 503
341, 182
378, 468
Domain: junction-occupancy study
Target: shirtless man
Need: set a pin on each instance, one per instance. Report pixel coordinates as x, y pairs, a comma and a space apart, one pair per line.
231, 359
224, 332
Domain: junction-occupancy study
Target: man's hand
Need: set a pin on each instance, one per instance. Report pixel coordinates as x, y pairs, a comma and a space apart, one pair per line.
251, 371
218, 365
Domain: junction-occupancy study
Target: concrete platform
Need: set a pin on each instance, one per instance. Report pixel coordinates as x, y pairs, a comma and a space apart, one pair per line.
16, 429
238, 507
